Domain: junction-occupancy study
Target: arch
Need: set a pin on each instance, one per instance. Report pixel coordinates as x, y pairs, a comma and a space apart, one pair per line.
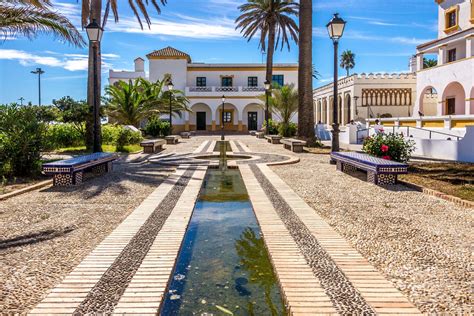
319, 114
347, 108
234, 124
428, 101
454, 99
253, 107
324, 111
200, 107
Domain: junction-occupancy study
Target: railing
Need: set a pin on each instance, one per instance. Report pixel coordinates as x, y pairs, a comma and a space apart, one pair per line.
430, 132
227, 89
200, 89
254, 89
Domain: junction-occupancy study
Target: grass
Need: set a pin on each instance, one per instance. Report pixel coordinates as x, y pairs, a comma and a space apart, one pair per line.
455, 179
106, 148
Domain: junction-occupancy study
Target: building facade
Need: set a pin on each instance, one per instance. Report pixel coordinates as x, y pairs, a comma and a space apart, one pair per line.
364, 96
451, 81
205, 85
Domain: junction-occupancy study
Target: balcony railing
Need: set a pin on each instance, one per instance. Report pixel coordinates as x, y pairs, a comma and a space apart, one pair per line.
226, 89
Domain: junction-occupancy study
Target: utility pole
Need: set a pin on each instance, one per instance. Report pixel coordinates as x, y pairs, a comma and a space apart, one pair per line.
38, 72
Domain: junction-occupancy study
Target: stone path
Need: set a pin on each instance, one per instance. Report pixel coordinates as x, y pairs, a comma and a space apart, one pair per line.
319, 271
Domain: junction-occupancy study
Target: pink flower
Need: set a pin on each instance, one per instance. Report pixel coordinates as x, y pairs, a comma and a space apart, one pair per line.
386, 157
384, 148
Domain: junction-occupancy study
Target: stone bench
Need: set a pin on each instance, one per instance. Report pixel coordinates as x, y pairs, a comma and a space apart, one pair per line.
185, 134
172, 139
71, 171
295, 145
151, 146
260, 134
379, 171
273, 139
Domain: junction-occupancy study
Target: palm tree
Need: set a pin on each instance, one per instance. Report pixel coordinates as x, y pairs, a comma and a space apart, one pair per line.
347, 60
273, 19
132, 102
92, 10
305, 73
32, 17
283, 103
315, 74
429, 62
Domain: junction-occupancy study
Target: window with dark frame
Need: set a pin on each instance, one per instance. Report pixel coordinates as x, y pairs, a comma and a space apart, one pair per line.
226, 81
450, 106
252, 81
200, 81
451, 19
278, 80
227, 117
451, 55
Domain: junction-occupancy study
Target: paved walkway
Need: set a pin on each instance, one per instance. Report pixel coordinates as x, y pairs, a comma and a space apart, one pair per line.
319, 272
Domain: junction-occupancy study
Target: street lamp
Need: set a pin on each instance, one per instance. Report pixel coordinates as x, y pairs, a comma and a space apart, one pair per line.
21, 99
268, 87
222, 118
38, 72
335, 29
94, 33
170, 89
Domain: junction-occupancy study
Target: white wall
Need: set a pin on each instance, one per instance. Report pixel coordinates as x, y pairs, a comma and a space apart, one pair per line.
176, 67
464, 15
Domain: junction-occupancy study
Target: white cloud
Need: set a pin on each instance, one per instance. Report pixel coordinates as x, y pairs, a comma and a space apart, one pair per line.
71, 62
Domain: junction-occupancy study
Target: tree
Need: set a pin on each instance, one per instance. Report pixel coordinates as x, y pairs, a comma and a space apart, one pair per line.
74, 112
130, 103
429, 62
92, 10
305, 73
316, 75
273, 20
347, 60
32, 17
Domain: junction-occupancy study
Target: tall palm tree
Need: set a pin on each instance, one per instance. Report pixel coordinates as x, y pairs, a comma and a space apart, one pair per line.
305, 73
347, 60
273, 20
429, 62
315, 73
32, 17
92, 10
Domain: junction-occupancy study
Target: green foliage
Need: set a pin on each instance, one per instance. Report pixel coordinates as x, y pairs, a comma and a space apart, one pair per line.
110, 133
63, 135
127, 137
389, 146
21, 140
153, 127
347, 60
45, 113
287, 129
386, 115
74, 112
165, 128
429, 62
272, 127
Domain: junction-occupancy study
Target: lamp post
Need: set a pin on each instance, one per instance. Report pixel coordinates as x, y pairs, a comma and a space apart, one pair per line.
335, 29
170, 89
38, 72
94, 33
21, 99
222, 118
268, 87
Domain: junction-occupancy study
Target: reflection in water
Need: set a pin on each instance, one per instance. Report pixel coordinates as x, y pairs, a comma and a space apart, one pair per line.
223, 267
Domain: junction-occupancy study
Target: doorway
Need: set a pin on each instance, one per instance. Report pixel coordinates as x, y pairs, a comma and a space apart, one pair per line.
201, 121
450, 106
252, 121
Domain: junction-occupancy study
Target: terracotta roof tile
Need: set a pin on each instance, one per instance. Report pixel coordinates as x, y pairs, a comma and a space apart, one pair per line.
169, 52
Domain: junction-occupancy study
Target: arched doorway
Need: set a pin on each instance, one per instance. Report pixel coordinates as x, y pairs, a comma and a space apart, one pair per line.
229, 118
454, 99
200, 119
347, 108
428, 102
253, 116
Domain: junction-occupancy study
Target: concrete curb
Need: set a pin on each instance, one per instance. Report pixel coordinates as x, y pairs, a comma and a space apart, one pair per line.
27, 189
441, 195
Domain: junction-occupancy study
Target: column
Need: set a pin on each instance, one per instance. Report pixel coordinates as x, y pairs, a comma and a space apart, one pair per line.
469, 50
213, 122
186, 121
343, 111
328, 111
419, 62
442, 55
239, 116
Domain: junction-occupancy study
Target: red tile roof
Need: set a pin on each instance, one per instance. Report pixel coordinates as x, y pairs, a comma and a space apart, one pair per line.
169, 52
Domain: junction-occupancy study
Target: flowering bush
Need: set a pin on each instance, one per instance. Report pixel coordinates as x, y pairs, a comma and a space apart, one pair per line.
389, 146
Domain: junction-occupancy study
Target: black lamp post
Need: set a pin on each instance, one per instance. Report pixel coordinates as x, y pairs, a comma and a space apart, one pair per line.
268, 87
222, 118
94, 33
335, 29
38, 72
170, 89
21, 99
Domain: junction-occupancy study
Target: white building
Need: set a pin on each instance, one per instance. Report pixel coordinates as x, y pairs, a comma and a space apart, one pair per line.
452, 79
363, 96
205, 84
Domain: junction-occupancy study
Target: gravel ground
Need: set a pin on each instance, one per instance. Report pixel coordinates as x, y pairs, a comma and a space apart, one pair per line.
419, 242
45, 234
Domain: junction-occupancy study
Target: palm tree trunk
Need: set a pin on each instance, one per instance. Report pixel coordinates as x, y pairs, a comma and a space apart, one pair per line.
95, 14
347, 70
305, 79
270, 52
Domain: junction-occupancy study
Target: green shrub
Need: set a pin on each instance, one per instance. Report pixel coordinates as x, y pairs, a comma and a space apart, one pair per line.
110, 133
272, 127
22, 138
287, 130
165, 128
63, 135
127, 137
389, 146
153, 127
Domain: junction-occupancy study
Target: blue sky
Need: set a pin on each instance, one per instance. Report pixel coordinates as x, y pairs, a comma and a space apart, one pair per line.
382, 33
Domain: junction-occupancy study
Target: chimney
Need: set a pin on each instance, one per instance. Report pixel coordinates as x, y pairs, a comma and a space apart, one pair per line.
139, 65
